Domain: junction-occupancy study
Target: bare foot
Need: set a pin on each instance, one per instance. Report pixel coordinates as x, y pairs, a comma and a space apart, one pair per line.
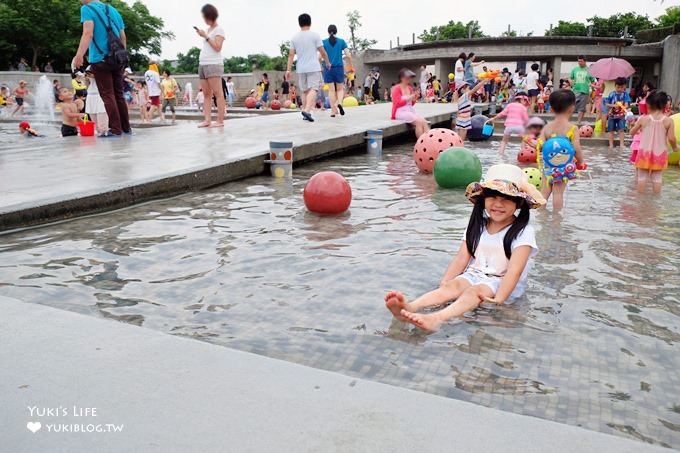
217, 125
395, 302
428, 323
204, 124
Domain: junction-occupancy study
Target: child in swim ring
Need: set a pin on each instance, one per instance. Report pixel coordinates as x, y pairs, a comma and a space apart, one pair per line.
534, 129
563, 103
492, 261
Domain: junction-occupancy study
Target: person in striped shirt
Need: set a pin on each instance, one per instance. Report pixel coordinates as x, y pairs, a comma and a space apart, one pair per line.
464, 95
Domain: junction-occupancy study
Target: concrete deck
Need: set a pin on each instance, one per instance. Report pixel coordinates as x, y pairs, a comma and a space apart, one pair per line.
173, 394
60, 179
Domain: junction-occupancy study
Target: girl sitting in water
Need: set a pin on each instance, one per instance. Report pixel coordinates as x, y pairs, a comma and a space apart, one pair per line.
492, 262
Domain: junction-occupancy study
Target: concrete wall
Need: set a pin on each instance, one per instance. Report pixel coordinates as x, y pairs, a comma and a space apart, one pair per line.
670, 67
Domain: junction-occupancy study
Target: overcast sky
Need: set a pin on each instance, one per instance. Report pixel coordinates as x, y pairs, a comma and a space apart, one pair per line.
254, 26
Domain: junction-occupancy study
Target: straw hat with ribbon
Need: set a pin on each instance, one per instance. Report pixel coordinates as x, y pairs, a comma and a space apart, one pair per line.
509, 180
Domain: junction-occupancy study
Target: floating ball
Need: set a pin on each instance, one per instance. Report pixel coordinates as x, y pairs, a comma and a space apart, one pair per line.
527, 155
674, 157
293, 106
451, 76
431, 144
350, 101
457, 167
258, 105
287, 103
586, 131
251, 102
276, 105
477, 132
327, 192
534, 175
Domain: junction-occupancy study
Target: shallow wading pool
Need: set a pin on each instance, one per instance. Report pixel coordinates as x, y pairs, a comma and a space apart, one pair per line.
593, 343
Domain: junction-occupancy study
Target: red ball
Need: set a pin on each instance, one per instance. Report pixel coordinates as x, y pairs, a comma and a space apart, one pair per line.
276, 105
586, 131
327, 192
431, 144
251, 102
527, 155
287, 103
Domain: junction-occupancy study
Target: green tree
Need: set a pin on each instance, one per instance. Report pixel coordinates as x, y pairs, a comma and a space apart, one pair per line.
188, 63
566, 28
40, 30
355, 42
615, 26
509, 34
237, 65
452, 30
670, 18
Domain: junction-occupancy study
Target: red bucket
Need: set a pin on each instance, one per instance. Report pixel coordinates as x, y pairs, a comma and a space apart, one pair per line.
642, 107
86, 128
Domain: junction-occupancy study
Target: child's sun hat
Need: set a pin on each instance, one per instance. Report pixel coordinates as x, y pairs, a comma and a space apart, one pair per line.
509, 180
535, 121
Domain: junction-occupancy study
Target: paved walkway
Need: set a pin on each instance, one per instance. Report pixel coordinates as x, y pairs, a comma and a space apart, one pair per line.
59, 178
173, 394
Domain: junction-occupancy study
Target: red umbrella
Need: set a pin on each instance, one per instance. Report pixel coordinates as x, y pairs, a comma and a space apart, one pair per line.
611, 68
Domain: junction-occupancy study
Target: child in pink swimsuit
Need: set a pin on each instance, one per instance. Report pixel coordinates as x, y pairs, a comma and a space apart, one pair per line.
657, 131
516, 118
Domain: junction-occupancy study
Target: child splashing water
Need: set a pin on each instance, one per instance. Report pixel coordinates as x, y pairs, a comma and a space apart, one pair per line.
656, 130
492, 262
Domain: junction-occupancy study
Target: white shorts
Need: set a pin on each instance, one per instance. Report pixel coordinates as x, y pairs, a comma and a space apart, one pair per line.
475, 278
310, 81
514, 130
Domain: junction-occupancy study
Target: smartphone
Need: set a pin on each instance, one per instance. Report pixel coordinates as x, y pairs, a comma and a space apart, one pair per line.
195, 28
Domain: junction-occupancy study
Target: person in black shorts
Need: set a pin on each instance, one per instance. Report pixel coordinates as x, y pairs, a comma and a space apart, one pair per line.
285, 89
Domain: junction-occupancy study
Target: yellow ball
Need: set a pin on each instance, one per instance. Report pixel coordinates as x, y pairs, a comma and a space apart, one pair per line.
674, 158
279, 172
451, 76
326, 87
350, 101
293, 106
534, 175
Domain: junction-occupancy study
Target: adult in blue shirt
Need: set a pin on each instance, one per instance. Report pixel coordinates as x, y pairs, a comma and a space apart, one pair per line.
469, 67
94, 40
334, 76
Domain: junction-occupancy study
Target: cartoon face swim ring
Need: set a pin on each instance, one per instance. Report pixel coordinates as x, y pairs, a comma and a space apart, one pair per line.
558, 156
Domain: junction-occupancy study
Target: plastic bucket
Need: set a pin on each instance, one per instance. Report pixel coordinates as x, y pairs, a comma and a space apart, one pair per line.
280, 169
86, 128
281, 152
487, 130
374, 141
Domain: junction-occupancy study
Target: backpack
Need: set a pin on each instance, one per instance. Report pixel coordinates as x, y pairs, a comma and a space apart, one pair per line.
118, 56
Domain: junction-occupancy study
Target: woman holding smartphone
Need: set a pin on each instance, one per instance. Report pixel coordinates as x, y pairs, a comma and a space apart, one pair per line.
211, 66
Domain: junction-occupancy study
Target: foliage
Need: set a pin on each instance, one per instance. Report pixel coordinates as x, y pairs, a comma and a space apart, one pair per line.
356, 43
452, 30
614, 26
670, 18
42, 30
566, 28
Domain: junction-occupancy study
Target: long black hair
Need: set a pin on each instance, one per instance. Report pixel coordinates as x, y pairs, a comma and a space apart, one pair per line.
332, 31
478, 221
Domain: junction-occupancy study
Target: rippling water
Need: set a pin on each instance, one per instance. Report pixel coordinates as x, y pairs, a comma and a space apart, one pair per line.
593, 343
